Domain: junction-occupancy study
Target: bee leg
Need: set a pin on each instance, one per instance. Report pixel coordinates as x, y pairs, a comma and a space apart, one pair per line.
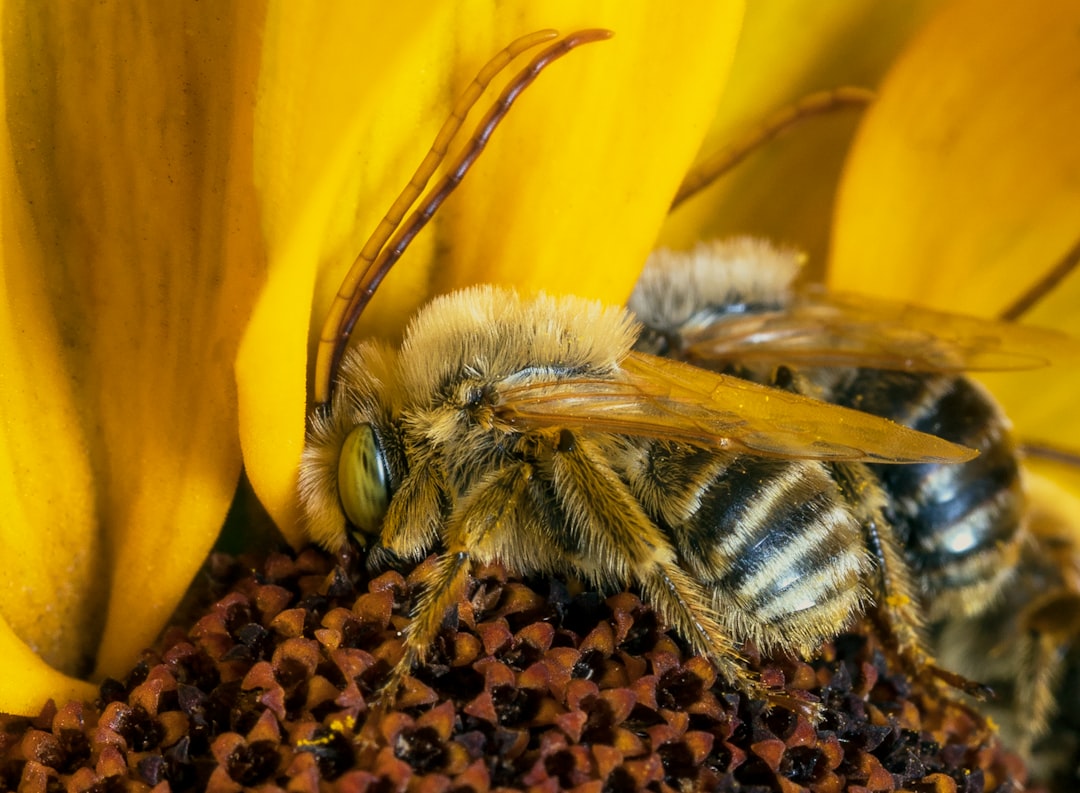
1050, 624
897, 611
896, 606
684, 606
899, 618
605, 517
442, 588
492, 509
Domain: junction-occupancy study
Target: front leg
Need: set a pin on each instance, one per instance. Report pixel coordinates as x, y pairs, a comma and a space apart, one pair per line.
617, 543
897, 607
494, 508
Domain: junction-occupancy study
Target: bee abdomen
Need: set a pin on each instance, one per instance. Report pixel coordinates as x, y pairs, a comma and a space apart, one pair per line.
959, 523
780, 551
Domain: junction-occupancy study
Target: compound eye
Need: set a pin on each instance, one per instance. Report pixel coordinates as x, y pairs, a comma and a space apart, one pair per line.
363, 481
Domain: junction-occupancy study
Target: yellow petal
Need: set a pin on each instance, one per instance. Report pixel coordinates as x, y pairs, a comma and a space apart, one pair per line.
131, 150
1053, 490
29, 682
962, 189
557, 200
790, 49
49, 593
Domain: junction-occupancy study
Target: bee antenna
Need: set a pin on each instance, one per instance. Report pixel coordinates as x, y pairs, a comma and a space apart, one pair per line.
705, 173
1044, 285
385, 247
329, 355
1046, 451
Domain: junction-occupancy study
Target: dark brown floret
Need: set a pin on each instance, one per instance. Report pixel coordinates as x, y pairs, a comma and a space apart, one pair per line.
530, 686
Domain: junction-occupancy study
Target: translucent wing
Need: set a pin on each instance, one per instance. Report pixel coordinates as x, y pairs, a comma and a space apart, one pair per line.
826, 329
662, 398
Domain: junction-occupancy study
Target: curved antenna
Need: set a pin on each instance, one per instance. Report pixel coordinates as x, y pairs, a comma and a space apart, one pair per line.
377, 256
704, 174
1066, 265
1051, 453
418, 181
1044, 286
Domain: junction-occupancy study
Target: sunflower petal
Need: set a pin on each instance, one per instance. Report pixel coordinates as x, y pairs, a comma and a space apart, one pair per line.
129, 153
339, 149
961, 191
48, 521
29, 682
339, 129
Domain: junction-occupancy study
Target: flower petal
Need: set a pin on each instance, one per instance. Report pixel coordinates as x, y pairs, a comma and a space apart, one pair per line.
128, 137
337, 153
29, 682
788, 50
48, 533
962, 190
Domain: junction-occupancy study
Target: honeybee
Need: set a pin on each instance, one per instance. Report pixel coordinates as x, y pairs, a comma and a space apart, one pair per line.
1000, 580
526, 430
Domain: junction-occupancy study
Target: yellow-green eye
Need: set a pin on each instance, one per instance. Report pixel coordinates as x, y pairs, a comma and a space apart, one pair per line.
363, 481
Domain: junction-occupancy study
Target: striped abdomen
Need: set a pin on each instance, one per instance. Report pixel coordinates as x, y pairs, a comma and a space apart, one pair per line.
773, 540
959, 524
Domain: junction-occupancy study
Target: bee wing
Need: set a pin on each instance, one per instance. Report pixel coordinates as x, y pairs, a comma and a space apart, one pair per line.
827, 329
666, 399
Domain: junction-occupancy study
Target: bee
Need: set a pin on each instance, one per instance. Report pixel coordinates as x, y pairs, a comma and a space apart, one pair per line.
730, 306
998, 579
527, 430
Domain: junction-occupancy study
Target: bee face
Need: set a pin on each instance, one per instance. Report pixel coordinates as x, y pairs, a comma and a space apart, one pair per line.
435, 400
462, 477
353, 458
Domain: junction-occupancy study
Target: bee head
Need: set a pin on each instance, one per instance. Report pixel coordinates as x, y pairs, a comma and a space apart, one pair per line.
352, 460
